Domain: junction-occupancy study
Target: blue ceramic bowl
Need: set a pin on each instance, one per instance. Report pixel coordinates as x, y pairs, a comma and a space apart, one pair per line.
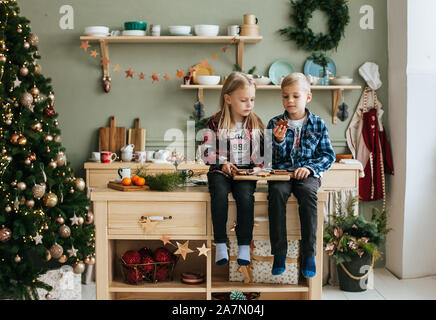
135, 25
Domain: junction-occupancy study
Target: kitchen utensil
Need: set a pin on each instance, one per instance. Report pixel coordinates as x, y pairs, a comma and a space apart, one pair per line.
137, 137
140, 156
314, 69
206, 30
133, 33
124, 173
112, 138
280, 69
107, 156
135, 25
199, 70
250, 19
233, 30
126, 156
208, 80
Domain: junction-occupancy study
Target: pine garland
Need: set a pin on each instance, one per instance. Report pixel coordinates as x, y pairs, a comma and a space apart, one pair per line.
306, 39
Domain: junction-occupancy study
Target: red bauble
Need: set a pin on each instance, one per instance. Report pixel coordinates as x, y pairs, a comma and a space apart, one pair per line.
148, 268
162, 255
161, 274
145, 252
49, 112
133, 276
132, 257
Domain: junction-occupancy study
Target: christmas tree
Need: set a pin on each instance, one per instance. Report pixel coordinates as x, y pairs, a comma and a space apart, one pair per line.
44, 217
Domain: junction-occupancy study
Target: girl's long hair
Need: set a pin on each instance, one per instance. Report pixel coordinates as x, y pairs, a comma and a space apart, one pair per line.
237, 80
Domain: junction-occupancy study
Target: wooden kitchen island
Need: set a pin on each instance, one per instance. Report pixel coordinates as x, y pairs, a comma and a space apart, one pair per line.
118, 229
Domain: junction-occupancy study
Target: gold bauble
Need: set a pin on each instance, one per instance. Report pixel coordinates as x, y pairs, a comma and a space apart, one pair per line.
50, 199
38, 190
58, 139
30, 203
79, 267
64, 231
34, 91
8, 208
38, 69
89, 260
53, 164
60, 220
26, 99
48, 138
27, 161
21, 185
63, 259
36, 126
24, 71
33, 39
61, 159
47, 255
5, 234
56, 251
79, 183
81, 220
3, 59
22, 140
17, 259
89, 218
14, 138
26, 45
8, 122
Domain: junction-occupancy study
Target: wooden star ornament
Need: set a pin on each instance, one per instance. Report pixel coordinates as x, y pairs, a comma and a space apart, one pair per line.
165, 239
141, 76
85, 45
203, 250
94, 53
129, 73
183, 249
105, 61
180, 74
148, 225
167, 76
154, 77
117, 67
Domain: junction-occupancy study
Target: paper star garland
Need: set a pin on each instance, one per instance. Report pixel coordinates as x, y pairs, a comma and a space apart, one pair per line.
167, 76
203, 250
117, 67
94, 53
180, 74
129, 73
105, 61
85, 45
141, 76
154, 77
183, 249
214, 56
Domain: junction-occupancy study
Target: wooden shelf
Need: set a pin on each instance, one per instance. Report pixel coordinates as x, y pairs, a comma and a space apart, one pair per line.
239, 41
118, 285
337, 92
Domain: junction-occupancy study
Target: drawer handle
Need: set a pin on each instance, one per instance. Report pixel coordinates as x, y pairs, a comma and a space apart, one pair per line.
155, 218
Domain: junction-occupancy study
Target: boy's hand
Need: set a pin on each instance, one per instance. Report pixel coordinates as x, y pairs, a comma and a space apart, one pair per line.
301, 173
227, 168
279, 133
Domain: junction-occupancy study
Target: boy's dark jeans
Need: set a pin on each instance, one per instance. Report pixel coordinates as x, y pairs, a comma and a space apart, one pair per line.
306, 192
219, 187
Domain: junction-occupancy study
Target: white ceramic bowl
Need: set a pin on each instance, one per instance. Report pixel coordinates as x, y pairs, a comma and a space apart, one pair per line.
97, 29
263, 81
133, 33
208, 80
177, 30
206, 30
341, 81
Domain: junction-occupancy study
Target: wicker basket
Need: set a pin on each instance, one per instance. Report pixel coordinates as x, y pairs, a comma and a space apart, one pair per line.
148, 272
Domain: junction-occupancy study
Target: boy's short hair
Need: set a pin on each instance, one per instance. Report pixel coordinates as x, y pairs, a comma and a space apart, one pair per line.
296, 77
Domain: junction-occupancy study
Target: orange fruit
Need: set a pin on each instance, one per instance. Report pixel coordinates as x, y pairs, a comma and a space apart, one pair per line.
126, 181
140, 181
134, 178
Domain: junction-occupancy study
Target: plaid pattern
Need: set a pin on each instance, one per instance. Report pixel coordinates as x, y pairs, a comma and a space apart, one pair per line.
216, 154
315, 151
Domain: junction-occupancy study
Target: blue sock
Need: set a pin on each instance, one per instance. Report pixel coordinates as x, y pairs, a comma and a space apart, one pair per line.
221, 255
308, 267
279, 264
244, 255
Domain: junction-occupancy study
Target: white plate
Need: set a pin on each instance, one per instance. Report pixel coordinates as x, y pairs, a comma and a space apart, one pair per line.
133, 33
96, 34
342, 81
96, 29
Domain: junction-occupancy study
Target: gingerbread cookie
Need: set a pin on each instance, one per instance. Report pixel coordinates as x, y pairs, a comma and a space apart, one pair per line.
282, 123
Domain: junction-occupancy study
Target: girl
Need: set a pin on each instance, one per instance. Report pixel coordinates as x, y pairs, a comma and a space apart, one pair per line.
233, 142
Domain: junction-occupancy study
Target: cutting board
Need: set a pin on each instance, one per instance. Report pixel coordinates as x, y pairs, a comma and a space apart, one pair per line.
112, 138
137, 137
118, 186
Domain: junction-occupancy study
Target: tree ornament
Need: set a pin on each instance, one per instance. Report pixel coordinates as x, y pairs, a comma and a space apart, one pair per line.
19, 29
81, 220
14, 183
33, 39
58, 139
16, 203
64, 231
3, 58
79, 184
60, 220
22, 140
49, 112
4, 150
61, 159
56, 123
71, 190
89, 218
306, 39
162, 254
32, 156
27, 161
5, 234
8, 122
47, 255
72, 252
21, 185
50, 199
37, 238
48, 138
8, 208
26, 45
107, 84
63, 259
183, 249
26, 99
79, 267
30, 203
37, 126
34, 91
38, 190
17, 259
90, 260
24, 71
56, 251
14, 138
132, 257
36, 55
53, 164
38, 69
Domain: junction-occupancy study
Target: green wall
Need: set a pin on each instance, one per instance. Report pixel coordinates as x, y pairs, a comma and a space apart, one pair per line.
83, 106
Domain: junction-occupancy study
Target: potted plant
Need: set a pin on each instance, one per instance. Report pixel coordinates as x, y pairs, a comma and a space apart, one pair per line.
354, 243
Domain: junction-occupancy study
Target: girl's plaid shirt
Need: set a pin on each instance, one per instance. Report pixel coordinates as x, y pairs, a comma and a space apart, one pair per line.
315, 151
216, 154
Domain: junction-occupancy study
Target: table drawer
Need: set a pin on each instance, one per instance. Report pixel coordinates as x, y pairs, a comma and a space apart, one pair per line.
261, 221
340, 179
187, 218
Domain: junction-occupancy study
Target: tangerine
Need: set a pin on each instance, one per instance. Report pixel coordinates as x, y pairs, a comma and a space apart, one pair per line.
134, 178
140, 181
126, 181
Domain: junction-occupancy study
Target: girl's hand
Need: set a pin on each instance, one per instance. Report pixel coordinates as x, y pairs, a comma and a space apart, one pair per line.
279, 133
227, 168
301, 173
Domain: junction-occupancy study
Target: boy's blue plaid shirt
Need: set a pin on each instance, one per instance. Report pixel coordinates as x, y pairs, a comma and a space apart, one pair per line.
315, 150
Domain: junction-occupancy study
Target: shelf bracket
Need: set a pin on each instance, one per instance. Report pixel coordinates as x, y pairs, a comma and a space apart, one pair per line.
337, 97
200, 95
240, 53
105, 64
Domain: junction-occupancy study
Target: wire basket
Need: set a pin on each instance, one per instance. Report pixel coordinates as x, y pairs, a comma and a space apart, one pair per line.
148, 272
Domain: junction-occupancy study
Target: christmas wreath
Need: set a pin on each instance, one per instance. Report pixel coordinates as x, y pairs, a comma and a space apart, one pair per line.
339, 17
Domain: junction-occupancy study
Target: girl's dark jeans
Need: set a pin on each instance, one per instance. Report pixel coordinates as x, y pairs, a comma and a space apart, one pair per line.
220, 186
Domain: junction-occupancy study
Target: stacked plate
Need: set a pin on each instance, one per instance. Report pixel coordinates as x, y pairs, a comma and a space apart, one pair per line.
206, 30
180, 30
133, 33
96, 31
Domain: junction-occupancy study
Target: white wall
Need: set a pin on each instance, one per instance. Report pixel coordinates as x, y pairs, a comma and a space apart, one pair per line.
411, 248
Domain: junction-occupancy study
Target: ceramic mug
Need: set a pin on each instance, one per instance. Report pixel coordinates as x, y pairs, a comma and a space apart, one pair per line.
140, 156
250, 19
126, 156
162, 155
149, 155
107, 156
124, 173
95, 156
233, 30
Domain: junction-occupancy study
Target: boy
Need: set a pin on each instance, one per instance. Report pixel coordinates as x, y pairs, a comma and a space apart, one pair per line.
302, 146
